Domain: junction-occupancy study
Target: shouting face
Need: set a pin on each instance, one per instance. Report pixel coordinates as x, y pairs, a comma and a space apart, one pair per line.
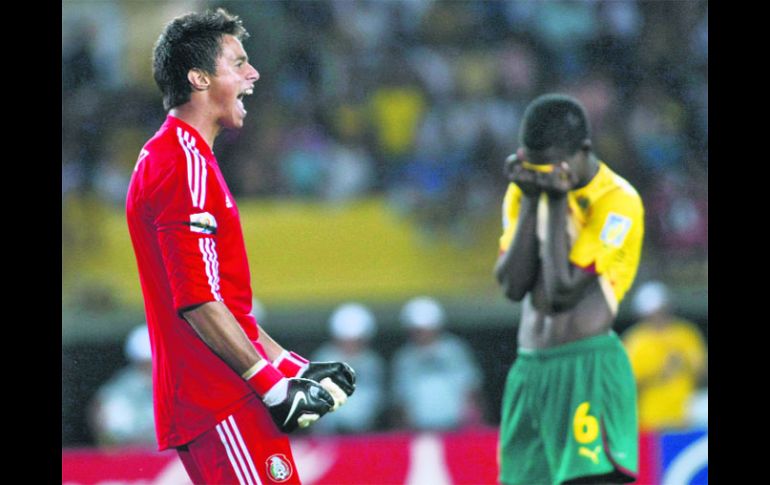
234, 79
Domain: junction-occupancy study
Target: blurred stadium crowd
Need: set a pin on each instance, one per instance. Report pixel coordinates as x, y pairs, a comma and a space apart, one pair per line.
421, 100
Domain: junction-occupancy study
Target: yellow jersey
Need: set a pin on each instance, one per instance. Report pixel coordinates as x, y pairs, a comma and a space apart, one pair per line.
667, 363
605, 227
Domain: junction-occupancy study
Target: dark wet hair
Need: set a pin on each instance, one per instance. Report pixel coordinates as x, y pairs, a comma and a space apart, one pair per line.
191, 41
554, 120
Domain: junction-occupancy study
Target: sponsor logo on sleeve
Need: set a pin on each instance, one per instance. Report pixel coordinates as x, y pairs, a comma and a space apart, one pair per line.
615, 229
203, 223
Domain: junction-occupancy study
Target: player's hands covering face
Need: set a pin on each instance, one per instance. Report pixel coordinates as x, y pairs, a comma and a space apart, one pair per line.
529, 181
559, 181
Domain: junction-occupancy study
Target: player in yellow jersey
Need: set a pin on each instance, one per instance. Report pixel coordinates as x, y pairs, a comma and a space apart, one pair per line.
668, 355
570, 248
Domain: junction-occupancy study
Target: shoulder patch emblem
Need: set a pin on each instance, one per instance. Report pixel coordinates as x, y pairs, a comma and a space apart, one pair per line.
203, 223
615, 229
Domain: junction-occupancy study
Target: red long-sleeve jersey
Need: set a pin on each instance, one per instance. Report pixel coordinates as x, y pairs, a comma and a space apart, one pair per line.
187, 238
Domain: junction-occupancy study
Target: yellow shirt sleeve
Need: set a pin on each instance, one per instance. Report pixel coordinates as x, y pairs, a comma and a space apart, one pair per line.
511, 204
610, 243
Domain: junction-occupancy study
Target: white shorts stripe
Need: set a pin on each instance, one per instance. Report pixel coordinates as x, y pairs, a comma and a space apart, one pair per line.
233, 463
238, 452
237, 434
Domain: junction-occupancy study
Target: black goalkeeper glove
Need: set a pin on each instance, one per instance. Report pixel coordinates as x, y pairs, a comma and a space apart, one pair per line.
306, 401
338, 378
292, 402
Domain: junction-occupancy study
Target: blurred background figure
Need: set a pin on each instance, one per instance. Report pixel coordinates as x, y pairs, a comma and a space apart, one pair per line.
436, 380
669, 358
122, 410
352, 326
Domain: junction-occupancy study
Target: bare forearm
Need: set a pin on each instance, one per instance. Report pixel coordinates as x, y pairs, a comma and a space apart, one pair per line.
219, 329
517, 268
564, 282
272, 347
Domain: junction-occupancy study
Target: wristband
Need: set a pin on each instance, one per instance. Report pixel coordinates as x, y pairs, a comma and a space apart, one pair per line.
263, 377
545, 168
291, 364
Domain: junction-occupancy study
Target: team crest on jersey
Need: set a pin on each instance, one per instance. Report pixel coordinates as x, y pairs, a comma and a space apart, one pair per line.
615, 229
278, 468
203, 223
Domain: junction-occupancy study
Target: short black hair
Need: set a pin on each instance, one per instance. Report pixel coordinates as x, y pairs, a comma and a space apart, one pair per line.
554, 120
190, 41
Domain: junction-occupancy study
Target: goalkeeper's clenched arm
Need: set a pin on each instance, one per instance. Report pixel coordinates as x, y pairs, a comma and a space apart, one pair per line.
292, 402
338, 378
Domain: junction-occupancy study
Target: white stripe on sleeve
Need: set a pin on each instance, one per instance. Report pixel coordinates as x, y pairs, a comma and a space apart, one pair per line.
196, 168
183, 143
215, 266
202, 193
196, 178
212, 265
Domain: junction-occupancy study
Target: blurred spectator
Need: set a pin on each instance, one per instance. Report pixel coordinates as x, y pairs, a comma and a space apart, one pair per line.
396, 106
657, 129
677, 212
352, 326
121, 412
436, 380
305, 161
668, 356
78, 65
349, 174
566, 28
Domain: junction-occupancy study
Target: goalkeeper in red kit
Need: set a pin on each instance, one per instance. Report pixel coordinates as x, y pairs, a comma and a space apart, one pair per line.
225, 393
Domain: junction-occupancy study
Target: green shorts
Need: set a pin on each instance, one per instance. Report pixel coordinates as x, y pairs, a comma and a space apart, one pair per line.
570, 412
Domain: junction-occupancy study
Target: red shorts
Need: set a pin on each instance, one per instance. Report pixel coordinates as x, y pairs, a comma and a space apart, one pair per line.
246, 448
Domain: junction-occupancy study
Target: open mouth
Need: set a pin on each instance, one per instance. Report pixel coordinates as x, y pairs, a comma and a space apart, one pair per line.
243, 94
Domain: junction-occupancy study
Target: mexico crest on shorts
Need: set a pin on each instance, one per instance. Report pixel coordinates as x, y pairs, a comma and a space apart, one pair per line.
278, 468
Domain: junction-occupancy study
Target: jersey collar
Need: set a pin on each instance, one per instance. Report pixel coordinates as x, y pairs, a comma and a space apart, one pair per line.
200, 143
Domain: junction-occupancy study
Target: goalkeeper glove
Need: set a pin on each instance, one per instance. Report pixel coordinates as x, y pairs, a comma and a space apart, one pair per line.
338, 378
292, 402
